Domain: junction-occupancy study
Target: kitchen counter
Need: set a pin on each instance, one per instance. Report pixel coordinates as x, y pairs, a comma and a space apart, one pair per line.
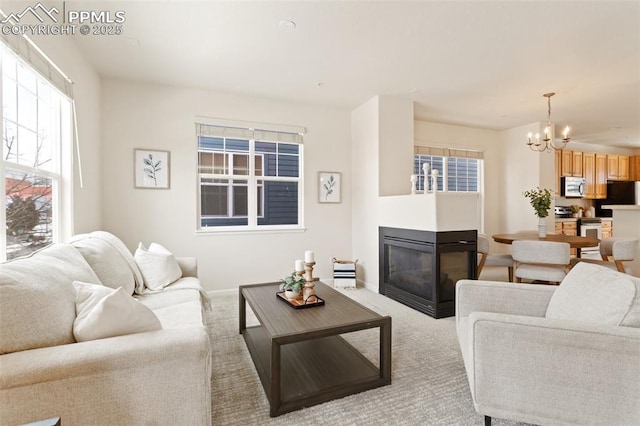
622, 207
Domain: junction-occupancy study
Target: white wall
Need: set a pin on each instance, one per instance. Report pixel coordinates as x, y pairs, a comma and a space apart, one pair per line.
87, 209
395, 145
364, 170
140, 115
522, 170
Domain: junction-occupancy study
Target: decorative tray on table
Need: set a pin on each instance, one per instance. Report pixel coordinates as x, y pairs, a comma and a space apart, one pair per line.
311, 302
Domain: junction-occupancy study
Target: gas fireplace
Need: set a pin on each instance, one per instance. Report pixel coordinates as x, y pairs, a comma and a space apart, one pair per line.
420, 268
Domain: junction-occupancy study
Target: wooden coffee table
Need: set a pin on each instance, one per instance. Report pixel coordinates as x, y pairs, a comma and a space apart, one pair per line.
299, 354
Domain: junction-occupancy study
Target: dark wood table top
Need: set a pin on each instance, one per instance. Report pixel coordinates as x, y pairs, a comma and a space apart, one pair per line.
575, 241
279, 319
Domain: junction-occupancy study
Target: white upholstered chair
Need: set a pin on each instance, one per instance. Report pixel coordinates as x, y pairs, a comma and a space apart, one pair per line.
541, 260
553, 355
487, 259
614, 251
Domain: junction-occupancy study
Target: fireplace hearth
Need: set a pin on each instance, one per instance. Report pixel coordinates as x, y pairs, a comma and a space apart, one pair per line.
420, 268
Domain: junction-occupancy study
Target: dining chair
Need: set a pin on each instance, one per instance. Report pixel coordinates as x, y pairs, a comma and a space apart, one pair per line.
547, 261
488, 259
614, 251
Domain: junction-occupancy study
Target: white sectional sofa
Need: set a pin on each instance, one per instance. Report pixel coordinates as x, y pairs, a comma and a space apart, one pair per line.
159, 377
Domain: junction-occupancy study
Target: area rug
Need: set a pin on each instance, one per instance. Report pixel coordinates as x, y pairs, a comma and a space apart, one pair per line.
429, 384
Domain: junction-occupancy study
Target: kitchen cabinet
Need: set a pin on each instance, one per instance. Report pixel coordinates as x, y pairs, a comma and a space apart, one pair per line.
589, 171
607, 228
571, 163
595, 174
618, 167
601, 176
634, 167
568, 227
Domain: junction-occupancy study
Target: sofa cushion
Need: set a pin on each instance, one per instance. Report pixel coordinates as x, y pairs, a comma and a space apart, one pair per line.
597, 294
158, 266
37, 298
183, 290
104, 312
182, 315
108, 264
102, 242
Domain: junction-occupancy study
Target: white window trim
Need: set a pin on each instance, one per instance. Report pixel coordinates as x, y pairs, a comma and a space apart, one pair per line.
252, 226
62, 187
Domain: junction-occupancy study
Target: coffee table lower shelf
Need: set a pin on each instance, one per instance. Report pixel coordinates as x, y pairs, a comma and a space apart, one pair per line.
311, 371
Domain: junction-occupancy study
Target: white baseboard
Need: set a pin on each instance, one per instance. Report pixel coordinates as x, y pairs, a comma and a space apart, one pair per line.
225, 292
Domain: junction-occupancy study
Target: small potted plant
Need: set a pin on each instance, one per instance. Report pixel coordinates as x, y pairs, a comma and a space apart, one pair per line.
292, 285
540, 199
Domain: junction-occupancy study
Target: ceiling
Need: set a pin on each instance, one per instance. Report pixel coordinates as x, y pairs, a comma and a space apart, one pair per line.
480, 64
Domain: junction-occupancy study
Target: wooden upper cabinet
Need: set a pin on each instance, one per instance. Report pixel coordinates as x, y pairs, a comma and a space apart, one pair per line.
601, 175
634, 167
618, 167
589, 171
595, 174
577, 164
571, 163
623, 167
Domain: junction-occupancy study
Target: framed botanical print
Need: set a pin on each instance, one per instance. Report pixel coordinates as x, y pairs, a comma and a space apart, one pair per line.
329, 186
151, 169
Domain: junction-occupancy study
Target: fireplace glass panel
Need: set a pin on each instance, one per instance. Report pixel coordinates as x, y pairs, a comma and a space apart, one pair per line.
410, 270
454, 266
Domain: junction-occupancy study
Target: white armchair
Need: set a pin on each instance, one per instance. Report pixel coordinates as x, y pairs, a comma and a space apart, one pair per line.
526, 362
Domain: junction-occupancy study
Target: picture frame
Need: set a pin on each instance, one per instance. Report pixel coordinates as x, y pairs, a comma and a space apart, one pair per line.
151, 168
329, 187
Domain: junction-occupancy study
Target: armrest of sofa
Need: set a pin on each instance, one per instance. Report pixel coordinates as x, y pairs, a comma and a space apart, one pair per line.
189, 266
156, 377
501, 297
542, 371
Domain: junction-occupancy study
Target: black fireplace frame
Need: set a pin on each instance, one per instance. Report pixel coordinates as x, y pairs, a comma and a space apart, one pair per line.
429, 242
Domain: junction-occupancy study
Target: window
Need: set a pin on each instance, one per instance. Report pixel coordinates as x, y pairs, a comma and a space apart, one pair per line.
249, 179
35, 115
458, 170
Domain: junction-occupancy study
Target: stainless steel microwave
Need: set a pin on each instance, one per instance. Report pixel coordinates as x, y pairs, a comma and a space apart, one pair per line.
572, 187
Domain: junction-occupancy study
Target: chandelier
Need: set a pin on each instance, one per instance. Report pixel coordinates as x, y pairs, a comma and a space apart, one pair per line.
547, 143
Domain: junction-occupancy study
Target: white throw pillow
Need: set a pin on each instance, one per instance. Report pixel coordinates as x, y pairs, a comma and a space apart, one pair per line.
596, 294
103, 312
158, 266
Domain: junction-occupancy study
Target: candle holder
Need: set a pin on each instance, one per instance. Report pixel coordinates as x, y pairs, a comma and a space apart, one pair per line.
308, 289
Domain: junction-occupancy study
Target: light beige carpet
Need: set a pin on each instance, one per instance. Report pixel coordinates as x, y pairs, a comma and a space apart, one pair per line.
429, 384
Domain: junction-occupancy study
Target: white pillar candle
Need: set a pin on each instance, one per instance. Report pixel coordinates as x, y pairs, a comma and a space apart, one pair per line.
308, 256
299, 265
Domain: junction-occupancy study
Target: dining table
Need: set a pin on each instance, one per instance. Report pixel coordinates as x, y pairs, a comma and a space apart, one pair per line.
575, 241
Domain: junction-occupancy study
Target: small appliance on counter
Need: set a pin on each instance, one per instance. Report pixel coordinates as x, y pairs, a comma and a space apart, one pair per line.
563, 212
572, 187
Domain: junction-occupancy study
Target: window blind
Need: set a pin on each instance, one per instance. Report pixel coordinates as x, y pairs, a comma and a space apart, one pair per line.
251, 131
447, 152
29, 52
